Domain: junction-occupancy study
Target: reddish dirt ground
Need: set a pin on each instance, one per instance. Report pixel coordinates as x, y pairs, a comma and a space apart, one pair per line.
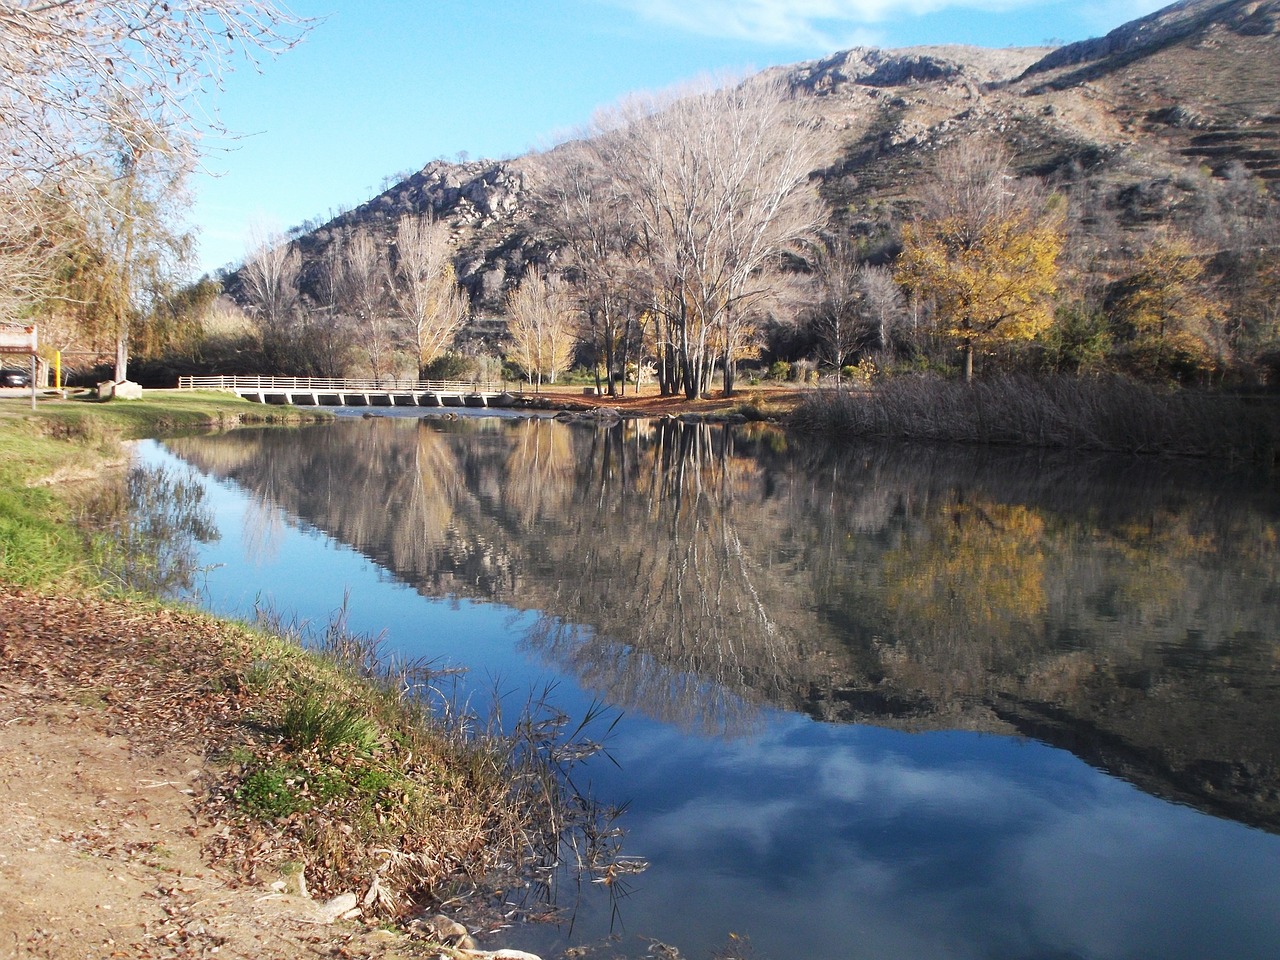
649, 402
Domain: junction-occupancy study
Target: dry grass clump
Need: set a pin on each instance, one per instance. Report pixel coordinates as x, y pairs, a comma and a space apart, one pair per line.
1112, 414
358, 778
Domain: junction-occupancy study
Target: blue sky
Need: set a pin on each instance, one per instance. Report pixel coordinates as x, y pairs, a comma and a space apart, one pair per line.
381, 87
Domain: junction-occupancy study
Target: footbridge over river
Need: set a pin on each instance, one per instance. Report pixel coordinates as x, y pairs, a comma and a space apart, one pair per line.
321, 392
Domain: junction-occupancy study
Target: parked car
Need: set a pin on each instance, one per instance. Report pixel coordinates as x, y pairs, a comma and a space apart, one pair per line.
14, 378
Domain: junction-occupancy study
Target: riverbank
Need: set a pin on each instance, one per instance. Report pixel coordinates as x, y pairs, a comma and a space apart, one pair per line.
771, 401
175, 784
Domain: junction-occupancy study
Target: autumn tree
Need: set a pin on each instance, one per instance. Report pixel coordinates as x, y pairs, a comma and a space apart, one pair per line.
540, 327
178, 321
1170, 313
714, 186
984, 250
424, 287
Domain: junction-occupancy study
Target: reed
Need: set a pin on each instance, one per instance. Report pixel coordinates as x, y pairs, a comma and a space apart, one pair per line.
1108, 414
377, 776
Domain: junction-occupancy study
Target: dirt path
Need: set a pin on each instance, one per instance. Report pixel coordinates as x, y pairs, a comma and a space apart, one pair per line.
107, 711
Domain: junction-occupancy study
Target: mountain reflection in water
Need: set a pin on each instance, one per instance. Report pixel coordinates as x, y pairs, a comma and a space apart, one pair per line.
704, 577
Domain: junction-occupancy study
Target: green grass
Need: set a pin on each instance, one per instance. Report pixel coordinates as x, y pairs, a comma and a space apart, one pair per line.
51, 458
312, 719
158, 412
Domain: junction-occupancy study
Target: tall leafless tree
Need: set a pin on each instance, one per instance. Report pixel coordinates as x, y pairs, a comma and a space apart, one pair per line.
834, 314
270, 279
591, 225
424, 286
882, 305
715, 185
364, 293
329, 329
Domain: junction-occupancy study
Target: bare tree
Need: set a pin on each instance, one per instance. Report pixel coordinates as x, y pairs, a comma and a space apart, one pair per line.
270, 279
593, 230
364, 280
835, 316
715, 186
425, 288
882, 307
86, 81
540, 326
328, 330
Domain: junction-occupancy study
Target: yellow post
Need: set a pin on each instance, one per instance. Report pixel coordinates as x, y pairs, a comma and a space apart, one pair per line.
57, 369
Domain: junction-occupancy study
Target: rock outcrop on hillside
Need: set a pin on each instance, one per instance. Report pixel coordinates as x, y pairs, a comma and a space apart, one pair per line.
1180, 22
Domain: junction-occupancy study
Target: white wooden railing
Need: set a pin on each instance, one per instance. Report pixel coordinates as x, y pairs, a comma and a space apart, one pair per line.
340, 385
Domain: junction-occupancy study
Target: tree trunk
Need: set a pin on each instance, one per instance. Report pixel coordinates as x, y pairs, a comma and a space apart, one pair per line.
608, 365
968, 361
690, 376
122, 358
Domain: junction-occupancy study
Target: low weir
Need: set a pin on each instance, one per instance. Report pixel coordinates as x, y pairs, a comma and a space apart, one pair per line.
321, 392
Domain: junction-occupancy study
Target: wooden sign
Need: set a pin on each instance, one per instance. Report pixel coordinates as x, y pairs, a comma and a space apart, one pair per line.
17, 339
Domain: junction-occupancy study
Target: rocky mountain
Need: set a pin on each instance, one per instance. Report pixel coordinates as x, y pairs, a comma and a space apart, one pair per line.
1142, 122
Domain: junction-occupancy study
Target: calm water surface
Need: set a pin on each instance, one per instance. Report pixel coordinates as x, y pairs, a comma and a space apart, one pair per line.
917, 703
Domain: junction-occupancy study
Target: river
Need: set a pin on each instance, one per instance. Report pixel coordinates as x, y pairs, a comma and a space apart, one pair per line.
874, 702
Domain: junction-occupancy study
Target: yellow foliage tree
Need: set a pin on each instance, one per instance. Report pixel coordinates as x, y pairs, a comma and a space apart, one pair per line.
1172, 316
984, 250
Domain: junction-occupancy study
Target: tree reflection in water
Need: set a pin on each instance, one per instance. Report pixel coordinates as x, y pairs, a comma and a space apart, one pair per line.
696, 572
143, 530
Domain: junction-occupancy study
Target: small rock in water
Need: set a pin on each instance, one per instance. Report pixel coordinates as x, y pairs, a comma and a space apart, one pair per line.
449, 932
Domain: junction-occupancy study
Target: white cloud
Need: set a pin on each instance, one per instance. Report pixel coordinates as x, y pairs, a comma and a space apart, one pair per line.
836, 24
823, 24
706, 820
